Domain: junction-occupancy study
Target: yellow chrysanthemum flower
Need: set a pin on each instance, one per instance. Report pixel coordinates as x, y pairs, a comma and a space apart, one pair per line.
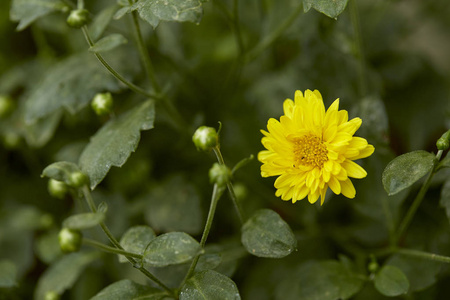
311, 149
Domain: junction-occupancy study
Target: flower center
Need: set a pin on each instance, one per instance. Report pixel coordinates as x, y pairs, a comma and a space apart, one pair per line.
309, 150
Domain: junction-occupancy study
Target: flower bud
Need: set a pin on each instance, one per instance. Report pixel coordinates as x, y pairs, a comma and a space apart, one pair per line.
6, 106
205, 138
57, 189
70, 240
78, 18
77, 179
443, 143
52, 295
219, 174
102, 104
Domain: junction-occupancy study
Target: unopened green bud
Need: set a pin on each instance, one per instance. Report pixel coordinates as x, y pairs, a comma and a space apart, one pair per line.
57, 189
219, 174
70, 240
205, 138
78, 18
77, 179
52, 295
240, 190
443, 143
6, 106
102, 104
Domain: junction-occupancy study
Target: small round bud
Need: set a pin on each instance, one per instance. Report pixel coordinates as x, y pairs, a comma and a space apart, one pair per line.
219, 174
57, 189
70, 240
442, 144
77, 179
102, 104
240, 190
52, 295
373, 267
78, 18
205, 138
6, 106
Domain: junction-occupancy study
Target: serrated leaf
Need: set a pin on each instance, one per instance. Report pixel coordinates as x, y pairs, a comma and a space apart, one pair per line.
108, 43
174, 205
445, 198
209, 285
128, 290
154, 11
63, 274
114, 142
84, 220
60, 171
405, 170
8, 274
266, 234
170, 249
331, 8
136, 239
28, 11
69, 84
101, 22
326, 280
391, 281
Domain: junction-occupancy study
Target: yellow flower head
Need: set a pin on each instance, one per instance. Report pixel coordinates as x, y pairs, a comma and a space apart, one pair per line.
311, 149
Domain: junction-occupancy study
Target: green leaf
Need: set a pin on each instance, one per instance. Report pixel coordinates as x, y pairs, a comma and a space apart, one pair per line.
445, 198
63, 274
128, 290
42, 130
28, 11
84, 221
136, 239
174, 206
101, 22
122, 12
209, 285
71, 83
421, 272
406, 169
8, 274
114, 142
169, 10
324, 280
171, 249
108, 43
331, 8
60, 171
391, 281
47, 247
265, 234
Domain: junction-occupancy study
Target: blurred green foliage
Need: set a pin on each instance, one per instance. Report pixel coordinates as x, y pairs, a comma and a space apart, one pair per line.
386, 60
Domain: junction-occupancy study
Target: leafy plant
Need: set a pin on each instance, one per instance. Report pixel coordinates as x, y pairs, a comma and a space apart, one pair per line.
129, 131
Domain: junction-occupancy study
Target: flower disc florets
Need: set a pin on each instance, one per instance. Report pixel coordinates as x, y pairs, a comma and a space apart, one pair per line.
311, 149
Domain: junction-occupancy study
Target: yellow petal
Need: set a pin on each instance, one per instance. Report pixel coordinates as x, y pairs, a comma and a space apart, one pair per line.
334, 185
353, 169
348, 190
288, 108
366, 152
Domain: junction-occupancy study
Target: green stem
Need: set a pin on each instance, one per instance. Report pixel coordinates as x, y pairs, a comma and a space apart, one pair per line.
110, 249
354, 15
144, 53
113, 72
417, 201
425, 255
239, 209
90, 201
269, 39
217, 193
